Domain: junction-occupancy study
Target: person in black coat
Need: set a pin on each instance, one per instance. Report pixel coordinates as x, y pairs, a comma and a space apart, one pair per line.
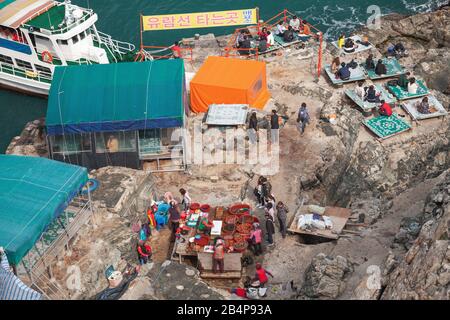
253, 128
274, 126
270, 228
380, 69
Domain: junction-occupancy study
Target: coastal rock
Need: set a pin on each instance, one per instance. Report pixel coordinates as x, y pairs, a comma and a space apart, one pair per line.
325, 277
424, 272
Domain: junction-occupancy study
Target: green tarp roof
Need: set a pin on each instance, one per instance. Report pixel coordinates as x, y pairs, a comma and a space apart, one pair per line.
120, 96
33, 192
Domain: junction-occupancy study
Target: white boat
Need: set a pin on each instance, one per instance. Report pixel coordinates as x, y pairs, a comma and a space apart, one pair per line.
38, 35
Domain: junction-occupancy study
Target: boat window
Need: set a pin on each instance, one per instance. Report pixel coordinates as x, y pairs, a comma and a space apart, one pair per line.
119, 141
63, 42
43, 70
75, 39
24, 64
71, 143
88, 32
82, 35
5, 59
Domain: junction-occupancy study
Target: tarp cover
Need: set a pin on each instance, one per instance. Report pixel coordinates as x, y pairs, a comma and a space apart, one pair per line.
114, 97
229, 81
33, 192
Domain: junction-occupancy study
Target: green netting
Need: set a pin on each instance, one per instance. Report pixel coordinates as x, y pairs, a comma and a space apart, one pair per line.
385, 127
33, 193
120, 96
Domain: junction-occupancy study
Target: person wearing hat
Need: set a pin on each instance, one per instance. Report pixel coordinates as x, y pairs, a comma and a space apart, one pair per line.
219, 256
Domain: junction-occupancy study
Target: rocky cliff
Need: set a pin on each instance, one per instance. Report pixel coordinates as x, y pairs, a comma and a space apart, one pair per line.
424, 272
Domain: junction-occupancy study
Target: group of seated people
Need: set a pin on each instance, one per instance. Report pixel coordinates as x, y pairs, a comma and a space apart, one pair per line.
341, 69
349, 45
408, 84
380, 68
266, 37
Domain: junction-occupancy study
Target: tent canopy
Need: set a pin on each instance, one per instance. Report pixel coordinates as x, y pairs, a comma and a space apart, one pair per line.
114, 97
229, 81
33, 193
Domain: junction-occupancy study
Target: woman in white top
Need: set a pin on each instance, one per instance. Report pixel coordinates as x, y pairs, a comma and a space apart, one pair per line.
270, 39
280, 29
186, 202
360, 91
295, 23
412, 86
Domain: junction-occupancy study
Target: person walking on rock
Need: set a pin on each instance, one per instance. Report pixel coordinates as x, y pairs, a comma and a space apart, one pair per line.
282, 211
303, 118
256, 239
186, 201
261, 275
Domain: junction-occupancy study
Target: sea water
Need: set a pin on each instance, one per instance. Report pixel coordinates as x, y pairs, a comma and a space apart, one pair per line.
120, 19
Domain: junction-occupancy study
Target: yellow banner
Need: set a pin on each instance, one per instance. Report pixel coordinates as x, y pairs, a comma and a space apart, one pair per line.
200, 20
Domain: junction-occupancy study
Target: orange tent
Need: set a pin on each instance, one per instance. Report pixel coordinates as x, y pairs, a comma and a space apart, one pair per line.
229, 81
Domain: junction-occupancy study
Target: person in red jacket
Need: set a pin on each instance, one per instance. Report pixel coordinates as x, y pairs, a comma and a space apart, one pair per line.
385, 109
261, 275
144, 252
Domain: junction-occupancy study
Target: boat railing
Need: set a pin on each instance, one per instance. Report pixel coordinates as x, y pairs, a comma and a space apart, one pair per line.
25, 73
87, 13
161, 52
120, 46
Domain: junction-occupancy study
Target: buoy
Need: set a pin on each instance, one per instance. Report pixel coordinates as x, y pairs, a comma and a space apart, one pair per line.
90, 186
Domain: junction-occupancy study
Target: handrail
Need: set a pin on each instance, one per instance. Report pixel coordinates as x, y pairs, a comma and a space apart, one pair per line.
189, 56
87, 13
253, 52
18, 71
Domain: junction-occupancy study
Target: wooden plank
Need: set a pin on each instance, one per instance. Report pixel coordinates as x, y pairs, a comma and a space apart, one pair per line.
225, 275
339, 216
232, 261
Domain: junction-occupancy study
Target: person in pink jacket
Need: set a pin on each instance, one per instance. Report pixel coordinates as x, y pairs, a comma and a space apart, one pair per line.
256, 237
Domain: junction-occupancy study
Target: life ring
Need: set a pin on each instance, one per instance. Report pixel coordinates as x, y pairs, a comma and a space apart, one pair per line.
90, 186
47, 57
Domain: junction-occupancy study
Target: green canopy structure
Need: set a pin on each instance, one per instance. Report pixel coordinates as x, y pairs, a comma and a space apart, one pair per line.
33, 193
119, 96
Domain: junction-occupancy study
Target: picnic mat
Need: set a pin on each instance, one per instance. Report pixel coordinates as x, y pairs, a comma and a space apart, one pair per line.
410, 106
355, 75
402, 94
385, 127
367, 106
360, 47
393, 69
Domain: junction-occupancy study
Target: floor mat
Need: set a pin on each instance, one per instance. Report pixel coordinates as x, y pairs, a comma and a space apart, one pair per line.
402, 94
359, 49
386, 127
393, 69
355, 75
410, 106
297, 39
367, 106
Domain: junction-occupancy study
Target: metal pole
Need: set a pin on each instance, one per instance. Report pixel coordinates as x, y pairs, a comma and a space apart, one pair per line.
257, 17
142, 46
319, 62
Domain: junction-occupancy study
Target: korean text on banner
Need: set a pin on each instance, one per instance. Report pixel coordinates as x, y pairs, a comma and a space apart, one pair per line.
200, 20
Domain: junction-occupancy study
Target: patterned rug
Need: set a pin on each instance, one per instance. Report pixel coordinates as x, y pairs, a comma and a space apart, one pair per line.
393, 69
402, 94
386, 127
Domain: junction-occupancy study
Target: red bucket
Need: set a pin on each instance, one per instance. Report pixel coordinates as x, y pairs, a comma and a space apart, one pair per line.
194, 206
205, 208
240, 209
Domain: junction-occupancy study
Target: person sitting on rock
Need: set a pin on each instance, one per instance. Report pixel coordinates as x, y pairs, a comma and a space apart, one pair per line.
399, 50
245, 46
288, 35
380, 69
424, 106
295, 23
350, 45
344, 72
372, 95
412, 86
281, 29
370, 64
385, 109
403, 81
361, 90
335, 65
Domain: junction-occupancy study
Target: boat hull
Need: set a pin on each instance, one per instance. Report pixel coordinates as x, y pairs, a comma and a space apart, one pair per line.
24, 85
